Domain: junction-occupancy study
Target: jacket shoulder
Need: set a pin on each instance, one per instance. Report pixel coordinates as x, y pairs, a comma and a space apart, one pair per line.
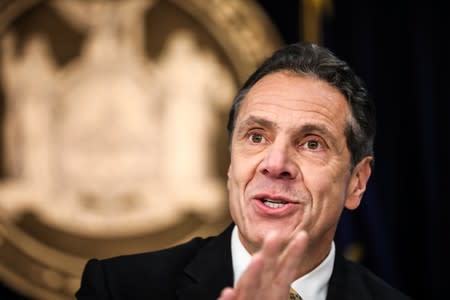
150, 262
360, 283
127, 276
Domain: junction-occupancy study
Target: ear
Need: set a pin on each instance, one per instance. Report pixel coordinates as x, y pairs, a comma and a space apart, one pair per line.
358, 182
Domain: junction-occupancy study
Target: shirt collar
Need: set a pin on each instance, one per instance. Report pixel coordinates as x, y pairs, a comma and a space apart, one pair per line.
313, 285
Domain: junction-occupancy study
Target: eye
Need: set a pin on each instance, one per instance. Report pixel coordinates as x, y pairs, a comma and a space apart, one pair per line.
313, 145
256, 138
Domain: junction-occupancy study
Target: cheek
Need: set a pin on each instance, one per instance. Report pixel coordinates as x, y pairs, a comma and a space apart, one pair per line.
234, 199
231, 181
239, 173
328, 189
328, 197
233, 186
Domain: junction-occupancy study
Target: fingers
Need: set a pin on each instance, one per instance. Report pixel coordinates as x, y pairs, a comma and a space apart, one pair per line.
259, 274
227, 294
272, 269
250, 282
271, 249
292, 257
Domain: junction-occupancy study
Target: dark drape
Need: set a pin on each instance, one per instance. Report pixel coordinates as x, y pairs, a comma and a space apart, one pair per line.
401, 49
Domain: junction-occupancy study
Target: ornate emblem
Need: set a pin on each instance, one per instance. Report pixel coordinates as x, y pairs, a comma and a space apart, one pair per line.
119, 146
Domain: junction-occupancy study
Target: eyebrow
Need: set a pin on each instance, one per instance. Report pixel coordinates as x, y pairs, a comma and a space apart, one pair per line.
252, 121
310, 127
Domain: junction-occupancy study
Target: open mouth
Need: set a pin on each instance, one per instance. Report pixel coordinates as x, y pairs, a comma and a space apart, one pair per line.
272, 203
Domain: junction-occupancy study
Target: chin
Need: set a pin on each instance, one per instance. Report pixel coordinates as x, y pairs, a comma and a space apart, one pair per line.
259, 233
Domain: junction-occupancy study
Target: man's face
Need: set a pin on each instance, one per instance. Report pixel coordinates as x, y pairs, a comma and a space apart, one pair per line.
290, 165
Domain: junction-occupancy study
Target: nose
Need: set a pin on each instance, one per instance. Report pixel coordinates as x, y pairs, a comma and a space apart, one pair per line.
279, 162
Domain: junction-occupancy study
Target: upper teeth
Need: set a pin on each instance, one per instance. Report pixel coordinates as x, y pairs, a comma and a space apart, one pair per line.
273, 203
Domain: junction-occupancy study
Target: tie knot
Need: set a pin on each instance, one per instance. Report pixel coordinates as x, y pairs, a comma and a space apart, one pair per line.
293, 295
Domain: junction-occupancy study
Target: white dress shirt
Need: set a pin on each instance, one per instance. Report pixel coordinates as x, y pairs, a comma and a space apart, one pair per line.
311, 286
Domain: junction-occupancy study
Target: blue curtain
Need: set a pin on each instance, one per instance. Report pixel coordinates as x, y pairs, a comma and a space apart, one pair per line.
401, 49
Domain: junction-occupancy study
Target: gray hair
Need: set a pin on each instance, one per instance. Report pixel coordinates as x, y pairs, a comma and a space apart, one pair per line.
308, 59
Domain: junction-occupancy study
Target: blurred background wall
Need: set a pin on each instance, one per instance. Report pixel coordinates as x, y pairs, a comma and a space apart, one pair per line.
63, 68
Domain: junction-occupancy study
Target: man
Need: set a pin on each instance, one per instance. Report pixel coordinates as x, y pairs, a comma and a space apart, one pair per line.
301, 137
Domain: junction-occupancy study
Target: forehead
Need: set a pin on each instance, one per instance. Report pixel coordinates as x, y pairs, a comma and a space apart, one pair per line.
293, 98
296, 91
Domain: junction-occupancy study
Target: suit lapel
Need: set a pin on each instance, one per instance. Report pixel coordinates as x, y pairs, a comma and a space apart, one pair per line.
210, 270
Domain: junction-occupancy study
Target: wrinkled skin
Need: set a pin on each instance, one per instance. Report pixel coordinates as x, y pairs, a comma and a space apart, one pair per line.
289, 179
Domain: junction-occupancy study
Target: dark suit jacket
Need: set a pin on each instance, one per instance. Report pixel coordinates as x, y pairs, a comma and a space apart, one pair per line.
199, 270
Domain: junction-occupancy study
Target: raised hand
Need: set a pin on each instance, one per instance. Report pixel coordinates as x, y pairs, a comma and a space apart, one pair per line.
272, 269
